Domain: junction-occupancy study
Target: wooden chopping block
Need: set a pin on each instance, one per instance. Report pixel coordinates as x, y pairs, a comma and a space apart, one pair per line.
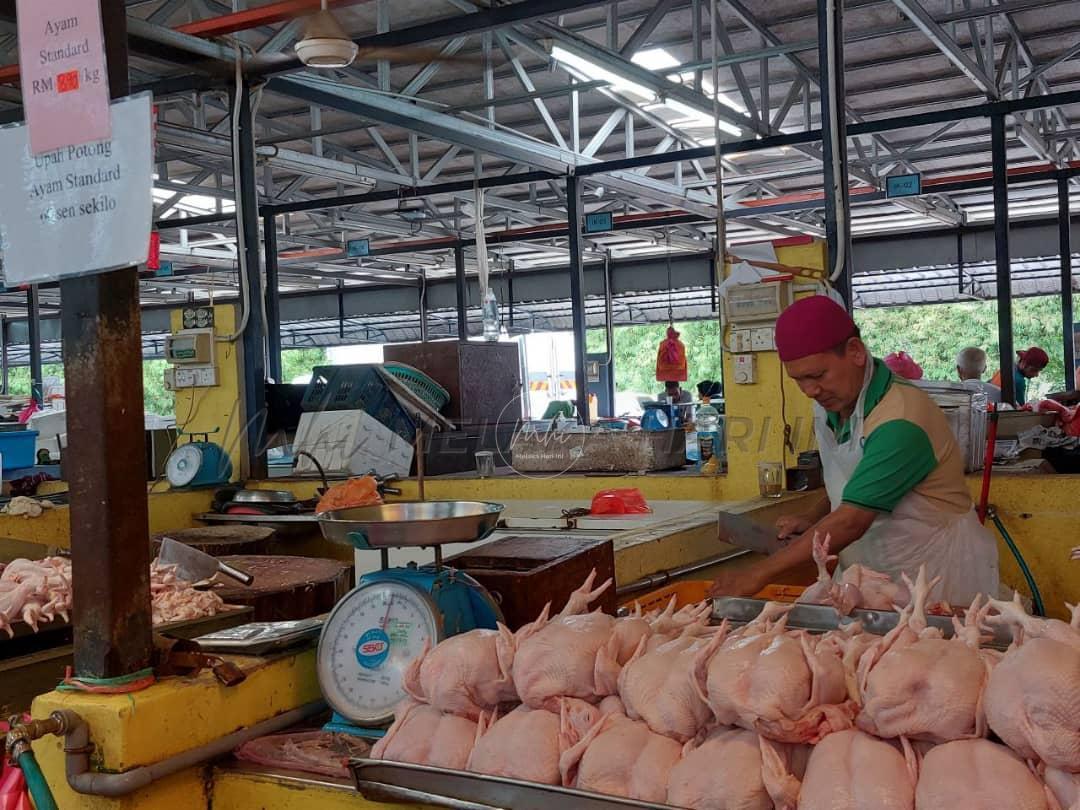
219, 541
523, 573
287, 588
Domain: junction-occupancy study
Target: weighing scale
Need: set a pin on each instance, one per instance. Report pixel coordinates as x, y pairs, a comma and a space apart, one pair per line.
377, 630
198, 463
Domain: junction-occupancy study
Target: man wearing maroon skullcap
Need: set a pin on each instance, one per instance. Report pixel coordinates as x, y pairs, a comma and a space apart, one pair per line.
1029, 362
893, 470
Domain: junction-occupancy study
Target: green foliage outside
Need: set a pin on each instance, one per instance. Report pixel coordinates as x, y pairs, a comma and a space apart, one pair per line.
931, 334
299, 362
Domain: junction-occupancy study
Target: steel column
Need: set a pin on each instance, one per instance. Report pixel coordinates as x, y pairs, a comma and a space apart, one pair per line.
33, 327
1065, 249
254, 339
422, 305
273, 298
835, 175
577, 296
462, 293
103, 462
4, 370
999, 158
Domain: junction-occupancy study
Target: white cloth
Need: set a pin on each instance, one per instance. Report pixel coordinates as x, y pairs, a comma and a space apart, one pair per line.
957, 548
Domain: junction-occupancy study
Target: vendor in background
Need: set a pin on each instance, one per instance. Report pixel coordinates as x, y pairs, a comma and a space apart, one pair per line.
893, 471
1029, 362
970, 366
674, 390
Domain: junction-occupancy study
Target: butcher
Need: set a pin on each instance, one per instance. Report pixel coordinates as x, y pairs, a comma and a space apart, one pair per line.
893, 470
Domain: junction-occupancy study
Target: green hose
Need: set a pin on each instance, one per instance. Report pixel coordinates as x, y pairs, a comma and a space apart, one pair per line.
1036, 596
35, 782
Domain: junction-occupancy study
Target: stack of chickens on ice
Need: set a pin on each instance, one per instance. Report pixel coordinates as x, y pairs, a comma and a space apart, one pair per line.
667, 709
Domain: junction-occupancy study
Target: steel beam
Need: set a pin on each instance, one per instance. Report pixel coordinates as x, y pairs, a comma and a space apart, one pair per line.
1000, 160
462, 292
574, 212
1065, 251
273, 298
103, 462
33, 320
837, 212
646, 27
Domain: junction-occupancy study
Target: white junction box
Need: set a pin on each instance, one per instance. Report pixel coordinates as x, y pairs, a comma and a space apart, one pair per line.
763, 339
745, 369
741, 340
190, 377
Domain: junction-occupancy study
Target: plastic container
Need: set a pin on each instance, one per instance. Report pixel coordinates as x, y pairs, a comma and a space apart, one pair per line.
686, 593
709, 439
18, 448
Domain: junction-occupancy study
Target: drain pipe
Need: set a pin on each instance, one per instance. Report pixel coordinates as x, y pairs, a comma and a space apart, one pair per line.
77, 747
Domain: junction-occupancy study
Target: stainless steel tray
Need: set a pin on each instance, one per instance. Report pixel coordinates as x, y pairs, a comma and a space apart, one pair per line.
260, 638
411, 523
822, 618
377, 780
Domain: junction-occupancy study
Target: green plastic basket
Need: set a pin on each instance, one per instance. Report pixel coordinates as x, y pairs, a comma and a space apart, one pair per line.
420, 384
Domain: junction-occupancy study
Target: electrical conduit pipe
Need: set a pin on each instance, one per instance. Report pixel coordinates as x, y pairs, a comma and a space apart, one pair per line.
83, 780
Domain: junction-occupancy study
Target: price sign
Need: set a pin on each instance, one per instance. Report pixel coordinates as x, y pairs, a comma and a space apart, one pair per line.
65, 84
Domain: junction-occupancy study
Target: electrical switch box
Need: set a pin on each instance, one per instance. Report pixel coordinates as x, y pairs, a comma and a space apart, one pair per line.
188, 377
190, 347
763, 339
741, 340
745, 369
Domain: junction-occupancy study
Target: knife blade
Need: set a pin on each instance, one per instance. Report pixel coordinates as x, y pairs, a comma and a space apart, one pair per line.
742, 532
195, 566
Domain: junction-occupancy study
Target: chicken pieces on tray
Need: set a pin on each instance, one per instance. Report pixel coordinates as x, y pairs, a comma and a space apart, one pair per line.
664, 707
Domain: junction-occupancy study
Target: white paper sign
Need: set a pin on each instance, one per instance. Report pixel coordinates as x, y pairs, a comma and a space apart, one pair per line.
79, 209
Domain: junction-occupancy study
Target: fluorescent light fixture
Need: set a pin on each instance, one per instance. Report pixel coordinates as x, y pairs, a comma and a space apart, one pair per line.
655, 59
590, 71
699, 118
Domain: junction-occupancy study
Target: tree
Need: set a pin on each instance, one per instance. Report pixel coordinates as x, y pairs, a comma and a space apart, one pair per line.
634, 356
299, 362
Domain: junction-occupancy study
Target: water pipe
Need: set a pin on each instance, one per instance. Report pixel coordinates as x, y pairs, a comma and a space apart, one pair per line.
1038, 608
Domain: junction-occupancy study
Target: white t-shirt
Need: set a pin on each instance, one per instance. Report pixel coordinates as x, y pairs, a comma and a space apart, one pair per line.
993, 393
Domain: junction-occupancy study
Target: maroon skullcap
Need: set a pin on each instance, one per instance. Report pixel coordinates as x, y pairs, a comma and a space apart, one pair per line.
811, 326
1034, 357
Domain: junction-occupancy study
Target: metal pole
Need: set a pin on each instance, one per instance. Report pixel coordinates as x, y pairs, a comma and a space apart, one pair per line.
102, 348
4, 371
423, 305
462, 293
577, 296
273, 297
254, 339
33, 329
999, 159
1065, 248
835, 175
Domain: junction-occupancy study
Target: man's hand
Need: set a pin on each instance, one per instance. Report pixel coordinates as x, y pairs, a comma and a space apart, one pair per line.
737, 583
792, 525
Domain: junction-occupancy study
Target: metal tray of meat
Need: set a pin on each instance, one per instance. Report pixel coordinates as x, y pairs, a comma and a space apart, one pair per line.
822, 618
260, 638
382, 781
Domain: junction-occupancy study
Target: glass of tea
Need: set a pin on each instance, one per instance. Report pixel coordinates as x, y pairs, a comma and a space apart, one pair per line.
770, 479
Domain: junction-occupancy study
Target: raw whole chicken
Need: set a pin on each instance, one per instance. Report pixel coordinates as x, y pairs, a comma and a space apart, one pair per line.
858, 586
527, 743
734, 769
423, 735
787, 686
1033, 698
851, 770
1065, 786
916, 684
572, 655
658, 686
621, 757
978, 775
466, 674
35, 592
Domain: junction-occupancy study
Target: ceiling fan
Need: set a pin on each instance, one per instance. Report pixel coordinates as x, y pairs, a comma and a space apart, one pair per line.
325, 44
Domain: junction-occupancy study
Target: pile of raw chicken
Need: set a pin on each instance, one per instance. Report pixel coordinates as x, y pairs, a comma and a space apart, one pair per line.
39, 591
665, 708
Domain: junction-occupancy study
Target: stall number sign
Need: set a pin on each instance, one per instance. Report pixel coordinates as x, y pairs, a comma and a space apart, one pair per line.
598, 223
79, 209
355, 248
65, 84
903, 185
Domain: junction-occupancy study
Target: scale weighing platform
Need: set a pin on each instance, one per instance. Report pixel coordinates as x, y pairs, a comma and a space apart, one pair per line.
377, 630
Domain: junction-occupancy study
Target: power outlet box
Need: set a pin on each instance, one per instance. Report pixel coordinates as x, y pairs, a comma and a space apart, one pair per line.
741, 340
763, 339
745, 369
190, 377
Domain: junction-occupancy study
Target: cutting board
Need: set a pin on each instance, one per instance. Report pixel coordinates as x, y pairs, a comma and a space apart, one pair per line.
287, 588
525, 572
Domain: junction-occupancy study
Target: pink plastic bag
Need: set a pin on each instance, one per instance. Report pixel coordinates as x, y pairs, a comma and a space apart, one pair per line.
13, 792
903, 365
627, 501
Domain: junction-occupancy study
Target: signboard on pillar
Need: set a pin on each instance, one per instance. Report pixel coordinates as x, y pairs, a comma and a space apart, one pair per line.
79, 209
65, 83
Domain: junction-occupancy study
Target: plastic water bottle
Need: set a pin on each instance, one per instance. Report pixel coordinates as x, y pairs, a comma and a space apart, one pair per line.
710, 451
490, 313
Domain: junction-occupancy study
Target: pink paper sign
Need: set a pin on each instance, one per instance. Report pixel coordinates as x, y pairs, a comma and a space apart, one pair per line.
65, 85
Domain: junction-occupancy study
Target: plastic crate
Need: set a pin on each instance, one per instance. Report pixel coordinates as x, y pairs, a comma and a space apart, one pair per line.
685, 593
420, 384
18, 448
780, 593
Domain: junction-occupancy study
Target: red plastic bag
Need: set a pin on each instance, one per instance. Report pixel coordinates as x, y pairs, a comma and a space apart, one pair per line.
628, 501
13, 792
671, 358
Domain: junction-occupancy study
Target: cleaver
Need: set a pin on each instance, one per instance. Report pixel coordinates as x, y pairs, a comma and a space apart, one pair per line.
195, 566
742, 532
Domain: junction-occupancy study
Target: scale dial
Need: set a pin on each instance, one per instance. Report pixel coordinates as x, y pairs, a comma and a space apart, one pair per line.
369, 640
183, 465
